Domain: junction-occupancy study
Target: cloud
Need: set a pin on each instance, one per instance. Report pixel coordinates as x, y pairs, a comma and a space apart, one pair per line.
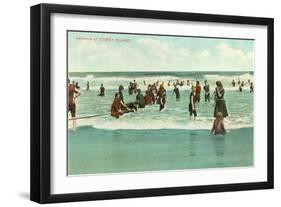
234, 56
152, 53
165, 54
148, 42
230, 52
204, 54
90, 46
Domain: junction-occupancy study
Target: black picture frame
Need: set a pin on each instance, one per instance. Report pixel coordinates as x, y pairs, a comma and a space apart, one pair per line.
41, 95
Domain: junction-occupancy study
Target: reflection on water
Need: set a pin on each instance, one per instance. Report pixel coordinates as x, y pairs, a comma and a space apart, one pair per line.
116, 134
219, 145
219, 149
192, 144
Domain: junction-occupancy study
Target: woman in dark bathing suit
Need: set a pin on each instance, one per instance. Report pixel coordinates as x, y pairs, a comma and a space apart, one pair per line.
207, 91
192, 101
102, 90
140, 99
162, 100
220, 105
161, 97
177, 92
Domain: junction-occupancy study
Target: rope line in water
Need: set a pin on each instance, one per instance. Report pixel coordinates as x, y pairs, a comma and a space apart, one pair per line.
90, 116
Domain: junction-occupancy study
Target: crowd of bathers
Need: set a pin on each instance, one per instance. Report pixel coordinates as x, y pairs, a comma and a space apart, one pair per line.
155, 93
242, 84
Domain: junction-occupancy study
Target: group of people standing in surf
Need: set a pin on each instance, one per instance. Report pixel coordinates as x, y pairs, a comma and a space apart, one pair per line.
155, 93
242, 84
220, 109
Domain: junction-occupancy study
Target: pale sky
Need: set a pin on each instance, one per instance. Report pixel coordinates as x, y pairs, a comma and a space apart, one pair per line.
108, 52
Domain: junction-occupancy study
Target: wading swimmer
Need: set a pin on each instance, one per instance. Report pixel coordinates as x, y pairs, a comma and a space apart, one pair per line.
77, 85
160, 92
162, 100
177, 92
198, 91
192, 101
240, 88
233, 83
120, 91
251, 87
220, 105
218, 125
153, 93
116, 107
124, 107
140, 99
102, 90
147, 98
207, 91
88, 86
135, 86
73, 93
130, 88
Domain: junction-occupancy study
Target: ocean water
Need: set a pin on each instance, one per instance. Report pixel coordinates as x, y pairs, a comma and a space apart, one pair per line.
149, 140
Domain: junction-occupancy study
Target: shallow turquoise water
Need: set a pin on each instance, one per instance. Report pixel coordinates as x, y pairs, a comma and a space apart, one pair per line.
150, 140
103, 151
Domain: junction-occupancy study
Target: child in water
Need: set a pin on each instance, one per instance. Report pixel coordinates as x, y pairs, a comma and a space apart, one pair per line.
218, 125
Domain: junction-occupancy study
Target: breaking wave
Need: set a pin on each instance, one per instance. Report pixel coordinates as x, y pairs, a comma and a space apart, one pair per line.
113, 82
151, 118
